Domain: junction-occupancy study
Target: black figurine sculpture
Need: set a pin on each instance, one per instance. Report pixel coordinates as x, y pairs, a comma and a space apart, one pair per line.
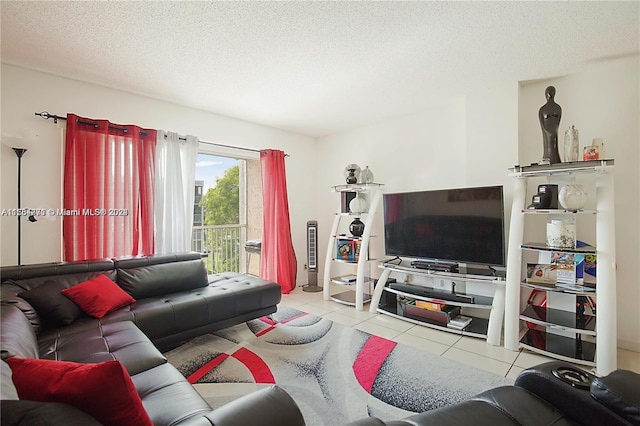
549, 115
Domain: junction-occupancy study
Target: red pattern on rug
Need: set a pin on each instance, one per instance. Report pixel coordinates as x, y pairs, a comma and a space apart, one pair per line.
273, 323
370, 359
258, 368
200, 372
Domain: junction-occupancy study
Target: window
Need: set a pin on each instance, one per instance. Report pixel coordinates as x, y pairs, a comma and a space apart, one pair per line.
227, 211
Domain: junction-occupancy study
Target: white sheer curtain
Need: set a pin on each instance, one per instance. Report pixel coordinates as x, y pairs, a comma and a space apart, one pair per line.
175, 191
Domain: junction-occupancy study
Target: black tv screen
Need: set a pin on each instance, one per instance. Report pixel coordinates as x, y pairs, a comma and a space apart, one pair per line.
453, 225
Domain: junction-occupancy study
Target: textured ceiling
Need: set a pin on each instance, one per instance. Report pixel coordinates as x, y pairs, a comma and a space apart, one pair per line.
313, 68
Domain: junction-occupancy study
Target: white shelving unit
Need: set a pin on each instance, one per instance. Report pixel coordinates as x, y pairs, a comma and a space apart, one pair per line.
388, 300
561, 333
357, 297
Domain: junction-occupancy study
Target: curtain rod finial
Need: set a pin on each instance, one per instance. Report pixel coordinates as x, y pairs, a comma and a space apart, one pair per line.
46, 116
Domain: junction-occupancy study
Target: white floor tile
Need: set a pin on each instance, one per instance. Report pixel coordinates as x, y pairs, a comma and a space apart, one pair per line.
442, 337
353, 312
340, 318
329, 305
480, 347
478, 361
421, 344
629, 360
514, 371
528, 359
390, 322
371, 328
314, 309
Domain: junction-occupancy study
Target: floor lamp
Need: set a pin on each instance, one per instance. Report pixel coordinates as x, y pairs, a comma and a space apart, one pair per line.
19, 153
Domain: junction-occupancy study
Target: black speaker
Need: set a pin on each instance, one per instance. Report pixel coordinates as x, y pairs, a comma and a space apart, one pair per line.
345, 199
546, 198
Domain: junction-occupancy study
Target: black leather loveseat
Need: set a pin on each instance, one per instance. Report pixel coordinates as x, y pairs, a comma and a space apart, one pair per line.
175, 300
554, 393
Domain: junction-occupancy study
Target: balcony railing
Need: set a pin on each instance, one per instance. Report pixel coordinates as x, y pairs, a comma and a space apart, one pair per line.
222, 245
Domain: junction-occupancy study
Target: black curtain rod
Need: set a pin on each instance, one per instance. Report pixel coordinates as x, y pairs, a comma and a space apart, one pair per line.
46, 116
224, 146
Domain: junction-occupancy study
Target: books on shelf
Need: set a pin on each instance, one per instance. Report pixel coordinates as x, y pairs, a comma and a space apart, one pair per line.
559, 267
542, 274
349, 278
459, 322
348, 249
432, 306
440, 317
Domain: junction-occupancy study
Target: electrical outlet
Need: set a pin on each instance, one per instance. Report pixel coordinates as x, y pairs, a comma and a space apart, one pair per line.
440, 283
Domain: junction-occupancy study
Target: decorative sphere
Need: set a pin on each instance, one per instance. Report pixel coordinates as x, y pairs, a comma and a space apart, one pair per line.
351, 177
358, 204
351, 173
572, 197
357, 227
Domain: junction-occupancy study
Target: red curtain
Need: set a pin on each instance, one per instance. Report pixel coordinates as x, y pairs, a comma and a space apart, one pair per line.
278, 259
108, 189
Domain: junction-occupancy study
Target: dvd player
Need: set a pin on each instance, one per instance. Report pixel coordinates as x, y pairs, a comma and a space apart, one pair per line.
440, 267
432, 293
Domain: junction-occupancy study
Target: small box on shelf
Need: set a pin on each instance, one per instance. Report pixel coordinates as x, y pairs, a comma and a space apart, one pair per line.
432, 306
440, 317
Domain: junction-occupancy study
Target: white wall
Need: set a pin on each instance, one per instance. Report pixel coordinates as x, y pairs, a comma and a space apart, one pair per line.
601, 101
25, 92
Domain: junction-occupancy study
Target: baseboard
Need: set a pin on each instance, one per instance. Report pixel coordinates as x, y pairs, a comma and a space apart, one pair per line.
629, 345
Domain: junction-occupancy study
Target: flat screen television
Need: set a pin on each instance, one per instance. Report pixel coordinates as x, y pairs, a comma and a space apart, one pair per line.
451, 226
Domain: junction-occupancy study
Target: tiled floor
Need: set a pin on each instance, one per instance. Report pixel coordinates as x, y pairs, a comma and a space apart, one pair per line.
469, 350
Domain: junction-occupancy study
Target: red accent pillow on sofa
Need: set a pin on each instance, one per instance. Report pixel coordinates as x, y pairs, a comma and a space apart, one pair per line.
103, 390
99, 296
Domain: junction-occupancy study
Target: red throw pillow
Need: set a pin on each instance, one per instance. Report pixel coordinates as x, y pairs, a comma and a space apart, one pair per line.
99, 296
103, 390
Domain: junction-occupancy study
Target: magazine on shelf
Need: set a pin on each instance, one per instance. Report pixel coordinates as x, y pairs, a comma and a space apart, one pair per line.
542, 274
459, 322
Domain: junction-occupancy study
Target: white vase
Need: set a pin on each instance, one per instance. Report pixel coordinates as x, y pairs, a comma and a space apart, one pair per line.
366, 175
572, 197
561, 234
358, 204
571, 145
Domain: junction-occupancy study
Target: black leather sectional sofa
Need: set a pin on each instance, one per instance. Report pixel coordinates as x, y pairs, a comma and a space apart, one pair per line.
175, 300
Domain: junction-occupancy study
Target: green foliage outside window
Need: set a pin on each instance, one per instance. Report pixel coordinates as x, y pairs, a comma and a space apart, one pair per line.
221, 206
222, 203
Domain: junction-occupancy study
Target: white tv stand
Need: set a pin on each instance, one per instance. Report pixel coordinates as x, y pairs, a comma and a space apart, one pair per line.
490, 328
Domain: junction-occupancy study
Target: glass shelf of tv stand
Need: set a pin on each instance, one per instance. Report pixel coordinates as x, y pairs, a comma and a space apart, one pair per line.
469, 274
479, 302
349, 298
476, 328
349, 280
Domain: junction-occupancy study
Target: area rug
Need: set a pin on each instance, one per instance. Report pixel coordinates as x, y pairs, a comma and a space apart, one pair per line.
335, 373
